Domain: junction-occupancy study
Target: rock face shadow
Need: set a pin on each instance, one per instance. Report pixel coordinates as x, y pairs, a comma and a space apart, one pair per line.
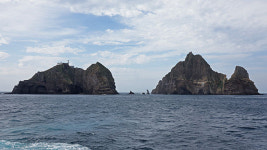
65, 79
195, 76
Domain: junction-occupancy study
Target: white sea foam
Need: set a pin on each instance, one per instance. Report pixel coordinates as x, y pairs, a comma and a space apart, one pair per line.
7, 145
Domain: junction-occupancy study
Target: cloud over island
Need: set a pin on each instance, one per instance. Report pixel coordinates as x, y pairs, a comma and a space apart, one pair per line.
147, 36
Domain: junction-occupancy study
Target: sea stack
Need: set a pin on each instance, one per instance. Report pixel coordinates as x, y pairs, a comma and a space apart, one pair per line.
195, 76
65, 79
240, 84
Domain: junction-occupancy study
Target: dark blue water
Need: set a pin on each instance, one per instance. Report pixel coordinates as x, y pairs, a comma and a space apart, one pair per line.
121, 122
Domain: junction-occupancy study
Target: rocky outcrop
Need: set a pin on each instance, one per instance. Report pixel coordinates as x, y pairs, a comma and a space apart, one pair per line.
240, 84
195, 76
65, 79
131, 92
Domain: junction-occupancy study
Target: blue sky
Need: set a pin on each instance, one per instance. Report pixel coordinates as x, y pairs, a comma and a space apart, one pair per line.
139, 41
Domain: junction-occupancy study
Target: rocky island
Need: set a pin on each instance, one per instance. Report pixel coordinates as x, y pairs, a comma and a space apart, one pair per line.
65, 79
195, 76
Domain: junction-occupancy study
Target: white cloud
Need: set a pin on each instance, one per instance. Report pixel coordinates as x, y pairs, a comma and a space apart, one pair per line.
227, 57
33, 19
112, 58
115, 58
201, 26
3, 55
129, 58
25, 18
2, 40
39, 62
10, 77
232, 26
111, 37
53, 50
137, 80
122, 8
11, 72
154, 30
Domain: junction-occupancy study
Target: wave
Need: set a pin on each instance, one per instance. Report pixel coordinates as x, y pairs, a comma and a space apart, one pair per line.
8, 145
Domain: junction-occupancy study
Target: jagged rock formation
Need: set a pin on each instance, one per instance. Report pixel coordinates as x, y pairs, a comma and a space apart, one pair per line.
195, 76
240, 84
131, 92
65, 79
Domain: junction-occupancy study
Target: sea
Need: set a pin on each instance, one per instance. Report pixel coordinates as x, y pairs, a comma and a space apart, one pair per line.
133, 122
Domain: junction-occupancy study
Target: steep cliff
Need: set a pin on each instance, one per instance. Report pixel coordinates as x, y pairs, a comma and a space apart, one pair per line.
65, 79
98, 80
195, 76
240, 84
192, 76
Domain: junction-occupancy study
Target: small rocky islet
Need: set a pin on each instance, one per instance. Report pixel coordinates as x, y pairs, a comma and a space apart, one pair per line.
192, 76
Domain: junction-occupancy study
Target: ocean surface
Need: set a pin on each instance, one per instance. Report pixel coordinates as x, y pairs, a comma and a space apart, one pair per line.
133, 122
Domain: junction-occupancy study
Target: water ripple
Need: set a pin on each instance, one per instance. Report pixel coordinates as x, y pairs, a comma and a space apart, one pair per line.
149, 122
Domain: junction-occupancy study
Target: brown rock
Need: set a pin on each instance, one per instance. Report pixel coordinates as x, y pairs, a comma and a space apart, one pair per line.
195, 76
240, 84
65, 79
